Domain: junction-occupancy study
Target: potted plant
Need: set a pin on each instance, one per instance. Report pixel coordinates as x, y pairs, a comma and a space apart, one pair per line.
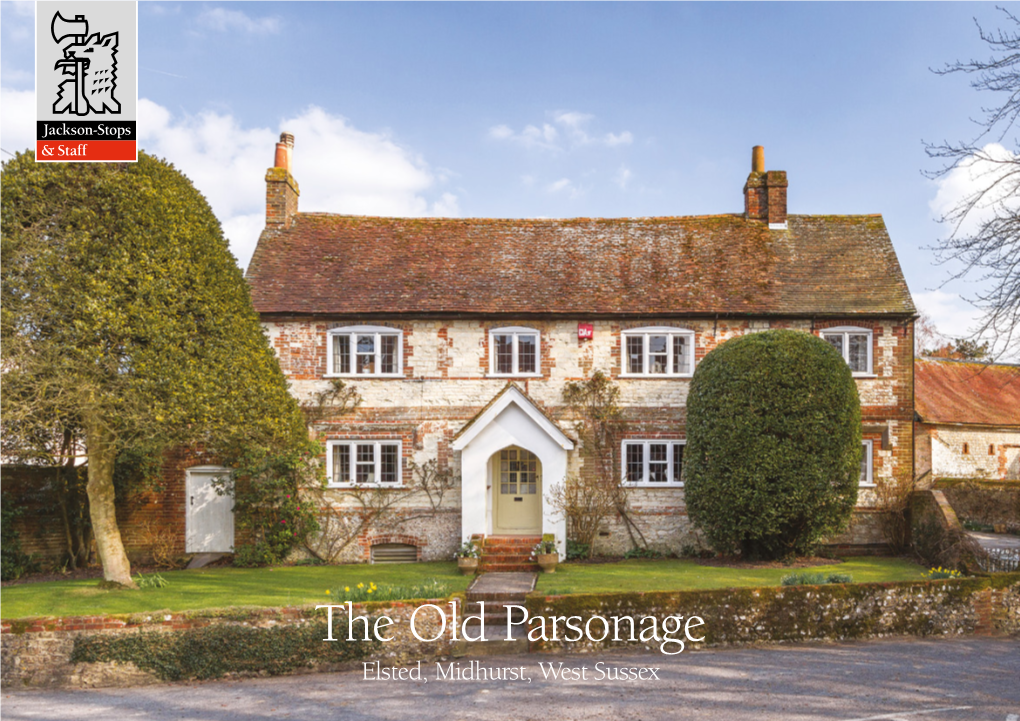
467, 557
546, 555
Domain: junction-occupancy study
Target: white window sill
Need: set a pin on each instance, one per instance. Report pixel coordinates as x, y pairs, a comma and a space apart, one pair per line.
514, 375
348, 486
864, 375
652, 485
867, 485
657, 376
363, 375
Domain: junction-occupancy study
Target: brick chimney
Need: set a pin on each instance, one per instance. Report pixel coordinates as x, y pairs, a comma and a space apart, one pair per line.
281, 188
765, 192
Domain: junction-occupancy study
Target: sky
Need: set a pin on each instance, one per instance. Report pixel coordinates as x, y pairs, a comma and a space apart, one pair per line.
555, 109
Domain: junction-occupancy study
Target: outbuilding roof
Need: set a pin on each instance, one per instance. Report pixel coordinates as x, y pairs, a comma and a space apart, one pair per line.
326, 264
947, 391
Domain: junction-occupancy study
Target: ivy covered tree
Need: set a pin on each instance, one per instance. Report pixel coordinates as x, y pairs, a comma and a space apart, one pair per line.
127, 324
773, 452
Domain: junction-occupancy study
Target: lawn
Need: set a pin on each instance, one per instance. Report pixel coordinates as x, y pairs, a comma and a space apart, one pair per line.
296, 585
682, 575
218, 588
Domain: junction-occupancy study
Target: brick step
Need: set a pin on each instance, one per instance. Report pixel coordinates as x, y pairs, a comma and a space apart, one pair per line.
511, 540
517, 548
507, 558
507, 567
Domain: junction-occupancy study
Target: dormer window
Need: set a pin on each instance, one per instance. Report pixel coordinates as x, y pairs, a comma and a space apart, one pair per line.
655, 352
854, 344
514, 352
364, 350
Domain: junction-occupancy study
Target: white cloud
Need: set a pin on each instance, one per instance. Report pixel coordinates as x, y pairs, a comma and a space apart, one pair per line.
340, 169
223, 20
572, 119
24, 8
18, 26
446, 207
953, 316
622, 177
624, 138
501, 132
563, 185
567, 126
17, 121
996, 169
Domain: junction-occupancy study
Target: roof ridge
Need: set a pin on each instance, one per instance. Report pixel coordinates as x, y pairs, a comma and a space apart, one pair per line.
579, 218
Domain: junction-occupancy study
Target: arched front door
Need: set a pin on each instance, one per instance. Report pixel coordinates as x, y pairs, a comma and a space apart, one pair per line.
516, 492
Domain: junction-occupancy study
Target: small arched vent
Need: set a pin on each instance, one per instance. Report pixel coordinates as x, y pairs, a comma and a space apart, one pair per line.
394, 553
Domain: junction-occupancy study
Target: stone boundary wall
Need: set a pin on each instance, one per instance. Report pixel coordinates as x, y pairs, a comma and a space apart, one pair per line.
37, 651
988, 605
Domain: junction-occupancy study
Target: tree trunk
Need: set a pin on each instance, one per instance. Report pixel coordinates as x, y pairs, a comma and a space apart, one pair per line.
67, 461
102, 454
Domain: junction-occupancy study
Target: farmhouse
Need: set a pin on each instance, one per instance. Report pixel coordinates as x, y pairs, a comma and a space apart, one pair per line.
967, 421
460, 335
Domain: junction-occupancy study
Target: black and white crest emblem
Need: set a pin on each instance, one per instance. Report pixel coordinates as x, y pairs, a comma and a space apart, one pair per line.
89, 64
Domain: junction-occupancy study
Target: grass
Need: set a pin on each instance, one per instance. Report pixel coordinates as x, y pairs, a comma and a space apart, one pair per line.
219, 588
297, 585
684, 575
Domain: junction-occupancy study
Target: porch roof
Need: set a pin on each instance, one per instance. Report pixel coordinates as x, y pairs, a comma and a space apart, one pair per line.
511, 394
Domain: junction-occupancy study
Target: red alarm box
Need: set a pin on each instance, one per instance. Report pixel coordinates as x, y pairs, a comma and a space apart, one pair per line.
585, 331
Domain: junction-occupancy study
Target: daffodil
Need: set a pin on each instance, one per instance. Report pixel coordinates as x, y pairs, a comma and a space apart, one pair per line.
347, 589
361, 585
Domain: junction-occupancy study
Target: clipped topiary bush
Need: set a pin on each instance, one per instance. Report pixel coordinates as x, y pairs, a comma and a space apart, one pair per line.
773, 451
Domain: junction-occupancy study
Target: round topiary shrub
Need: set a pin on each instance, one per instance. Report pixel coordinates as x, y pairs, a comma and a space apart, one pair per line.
773, 451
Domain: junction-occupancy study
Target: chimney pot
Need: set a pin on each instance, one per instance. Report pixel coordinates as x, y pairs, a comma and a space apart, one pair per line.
281, 188
283, 151
758, 159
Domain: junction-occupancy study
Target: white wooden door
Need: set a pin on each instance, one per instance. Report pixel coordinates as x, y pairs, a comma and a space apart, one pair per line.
210, 516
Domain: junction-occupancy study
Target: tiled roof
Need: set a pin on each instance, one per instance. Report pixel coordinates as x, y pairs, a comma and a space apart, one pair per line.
338, 264
954, 392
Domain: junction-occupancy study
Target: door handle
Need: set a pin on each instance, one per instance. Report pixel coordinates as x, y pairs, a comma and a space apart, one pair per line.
193, 500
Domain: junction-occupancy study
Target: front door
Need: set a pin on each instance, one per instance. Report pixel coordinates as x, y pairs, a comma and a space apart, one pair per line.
517, 484
210, 516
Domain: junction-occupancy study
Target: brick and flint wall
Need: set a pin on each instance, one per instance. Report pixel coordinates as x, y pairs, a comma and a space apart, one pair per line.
446, 382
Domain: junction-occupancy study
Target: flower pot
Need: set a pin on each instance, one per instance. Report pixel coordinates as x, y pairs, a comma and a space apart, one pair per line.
547, 562
467, 566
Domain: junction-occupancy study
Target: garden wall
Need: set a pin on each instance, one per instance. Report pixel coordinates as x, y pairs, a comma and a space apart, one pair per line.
991, 502
95, 651
988, 605
147, 648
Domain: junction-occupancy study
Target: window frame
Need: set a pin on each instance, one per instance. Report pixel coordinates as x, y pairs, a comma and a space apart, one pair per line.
353, 331
515, 331
846, 331
670, 444
670, 332
377, 443
869, 457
